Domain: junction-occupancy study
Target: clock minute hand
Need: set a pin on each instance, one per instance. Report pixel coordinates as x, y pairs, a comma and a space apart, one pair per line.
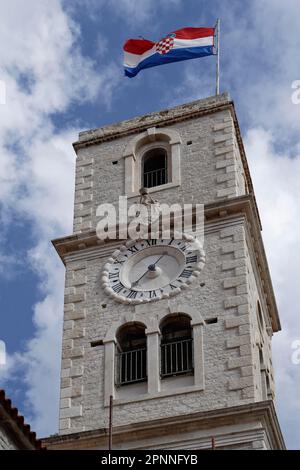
138, 280
159, 259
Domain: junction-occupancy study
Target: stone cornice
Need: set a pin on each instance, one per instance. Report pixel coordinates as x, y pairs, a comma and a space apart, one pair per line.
263, 411
159, 119
225, 210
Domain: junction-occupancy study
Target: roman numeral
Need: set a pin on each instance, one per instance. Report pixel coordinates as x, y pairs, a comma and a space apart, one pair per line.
152, 242
132, 294
171, 241
133, 249
191, 259
119, 261
152, 294
173, 287
186, 273
114, 275
182, 246
118, 287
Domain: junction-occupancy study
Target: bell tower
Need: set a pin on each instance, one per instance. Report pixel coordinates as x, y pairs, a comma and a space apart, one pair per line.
178, 332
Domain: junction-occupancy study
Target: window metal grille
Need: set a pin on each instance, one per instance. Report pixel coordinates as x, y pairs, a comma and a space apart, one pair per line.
155, 177
155, 168
132, 366
177, 357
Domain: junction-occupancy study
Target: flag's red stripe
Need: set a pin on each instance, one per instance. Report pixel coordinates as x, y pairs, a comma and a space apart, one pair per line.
137, 46
193, 33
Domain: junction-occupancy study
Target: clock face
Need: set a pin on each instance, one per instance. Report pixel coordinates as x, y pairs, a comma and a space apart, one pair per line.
149, 270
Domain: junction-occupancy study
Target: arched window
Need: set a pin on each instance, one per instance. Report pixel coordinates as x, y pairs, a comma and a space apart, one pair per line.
131, 354
155, 168
176, 346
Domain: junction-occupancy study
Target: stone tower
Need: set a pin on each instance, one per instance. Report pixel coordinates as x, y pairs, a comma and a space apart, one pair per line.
180, 368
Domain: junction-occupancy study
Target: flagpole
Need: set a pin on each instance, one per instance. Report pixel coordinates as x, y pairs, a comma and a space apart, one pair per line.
218, 58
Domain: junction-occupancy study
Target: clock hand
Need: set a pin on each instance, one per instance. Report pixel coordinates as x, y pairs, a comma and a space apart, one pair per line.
158, 259
138, 280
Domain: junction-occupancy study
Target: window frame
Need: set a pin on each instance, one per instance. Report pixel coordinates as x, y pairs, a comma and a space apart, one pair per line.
153, 388
138, 146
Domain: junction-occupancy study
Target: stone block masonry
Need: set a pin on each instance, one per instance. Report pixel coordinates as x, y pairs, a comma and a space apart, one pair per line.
227, 344
231, 343
72, 367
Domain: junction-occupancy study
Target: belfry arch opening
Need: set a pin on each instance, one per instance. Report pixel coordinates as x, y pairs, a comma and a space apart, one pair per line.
155, 167
131, 354
176, 346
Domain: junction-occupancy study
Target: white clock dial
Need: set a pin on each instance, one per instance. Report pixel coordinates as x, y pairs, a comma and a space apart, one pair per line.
146, 270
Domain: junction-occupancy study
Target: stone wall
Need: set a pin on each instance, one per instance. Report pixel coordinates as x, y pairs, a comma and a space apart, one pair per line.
228, 355
261, 334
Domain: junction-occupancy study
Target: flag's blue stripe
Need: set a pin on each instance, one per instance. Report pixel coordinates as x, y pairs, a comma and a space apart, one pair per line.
174, 55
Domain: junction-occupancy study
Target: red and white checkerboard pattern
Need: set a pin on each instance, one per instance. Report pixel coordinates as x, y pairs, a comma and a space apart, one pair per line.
163, 46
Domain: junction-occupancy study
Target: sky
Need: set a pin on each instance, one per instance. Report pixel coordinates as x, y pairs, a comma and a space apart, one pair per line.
61, 66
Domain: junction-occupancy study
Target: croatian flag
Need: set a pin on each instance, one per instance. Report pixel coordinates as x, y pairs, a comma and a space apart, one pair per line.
183, 44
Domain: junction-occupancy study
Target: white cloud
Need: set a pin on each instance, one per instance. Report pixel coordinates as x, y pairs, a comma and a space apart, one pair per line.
44, 72
9, 264
276, 180
259, 62
43, 353
142, 10
132, 12
275, 177
198, 82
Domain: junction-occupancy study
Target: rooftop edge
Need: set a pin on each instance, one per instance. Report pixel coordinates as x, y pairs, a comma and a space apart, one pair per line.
142, 120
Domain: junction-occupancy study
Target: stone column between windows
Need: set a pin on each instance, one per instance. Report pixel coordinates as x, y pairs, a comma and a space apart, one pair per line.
109, 370
198, 354
153, 360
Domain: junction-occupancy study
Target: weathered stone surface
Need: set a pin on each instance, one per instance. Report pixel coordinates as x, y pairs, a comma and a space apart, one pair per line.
71, 412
